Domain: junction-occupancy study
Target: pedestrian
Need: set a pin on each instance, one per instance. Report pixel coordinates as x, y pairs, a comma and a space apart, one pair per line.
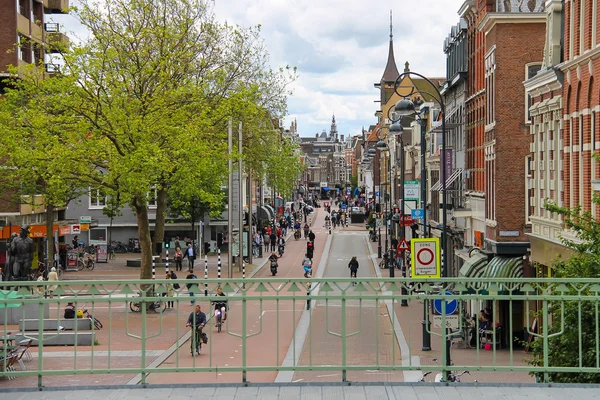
273, 239
206, 248
173, 276
170, 292
177, 244
190, 253
178, 259
190, 286
311, 236
52, 277
353, 265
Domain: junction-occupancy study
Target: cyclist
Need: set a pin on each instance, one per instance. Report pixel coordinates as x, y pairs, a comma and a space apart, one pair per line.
196, 321
307, 264
306, 229
353, 265
220, 305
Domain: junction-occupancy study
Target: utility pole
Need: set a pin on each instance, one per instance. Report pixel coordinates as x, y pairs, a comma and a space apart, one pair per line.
230, 200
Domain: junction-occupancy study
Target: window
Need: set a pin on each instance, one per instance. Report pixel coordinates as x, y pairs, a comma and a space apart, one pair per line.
531, 70
97, 198
153, 197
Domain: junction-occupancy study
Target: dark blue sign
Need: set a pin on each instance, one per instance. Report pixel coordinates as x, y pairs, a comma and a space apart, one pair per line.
451, 305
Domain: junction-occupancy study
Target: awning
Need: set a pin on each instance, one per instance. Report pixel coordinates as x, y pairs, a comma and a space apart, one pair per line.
449, 180
504, 267
264, 213
474, 267
270, 210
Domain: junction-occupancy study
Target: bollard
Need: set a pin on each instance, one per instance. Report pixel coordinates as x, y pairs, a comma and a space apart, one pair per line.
154, 267
307, 295
167, 262
243, 274
205, 275
219, 264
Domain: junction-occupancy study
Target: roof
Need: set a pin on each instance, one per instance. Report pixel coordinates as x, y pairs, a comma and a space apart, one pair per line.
372, 137
391, 70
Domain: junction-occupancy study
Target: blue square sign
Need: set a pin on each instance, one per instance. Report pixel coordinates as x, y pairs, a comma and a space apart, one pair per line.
417, 214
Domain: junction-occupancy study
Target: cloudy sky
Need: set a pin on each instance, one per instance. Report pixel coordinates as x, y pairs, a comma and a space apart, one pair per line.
340, 48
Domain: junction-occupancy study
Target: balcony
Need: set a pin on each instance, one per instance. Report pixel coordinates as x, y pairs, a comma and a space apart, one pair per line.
56, 40
56, 6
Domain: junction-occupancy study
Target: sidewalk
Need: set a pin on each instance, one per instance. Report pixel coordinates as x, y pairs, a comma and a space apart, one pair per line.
410, 320
354, 392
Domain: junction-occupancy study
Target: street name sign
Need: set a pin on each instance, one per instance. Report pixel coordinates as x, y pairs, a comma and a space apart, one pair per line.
425, 258
411, 190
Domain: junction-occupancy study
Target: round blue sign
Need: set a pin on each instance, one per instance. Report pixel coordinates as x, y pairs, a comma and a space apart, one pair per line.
451, 305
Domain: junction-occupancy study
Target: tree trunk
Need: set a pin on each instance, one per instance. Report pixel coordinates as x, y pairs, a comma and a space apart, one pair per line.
141, 209
159, 224
50, 233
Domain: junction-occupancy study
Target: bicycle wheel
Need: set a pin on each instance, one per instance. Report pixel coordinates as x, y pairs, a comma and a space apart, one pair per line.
80, 265
90, 265
135, 307
97, 323
158, 306
382, 264
219, 323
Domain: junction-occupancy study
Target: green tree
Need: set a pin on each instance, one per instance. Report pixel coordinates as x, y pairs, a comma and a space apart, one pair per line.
570, 316
143, 104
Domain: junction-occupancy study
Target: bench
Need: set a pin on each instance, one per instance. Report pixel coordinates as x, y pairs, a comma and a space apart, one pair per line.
59, 338
13, 315
83, 324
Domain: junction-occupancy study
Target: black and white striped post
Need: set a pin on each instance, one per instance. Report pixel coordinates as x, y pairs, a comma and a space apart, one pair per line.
154, 267
219, 264
244, 274
205, 275
167, 261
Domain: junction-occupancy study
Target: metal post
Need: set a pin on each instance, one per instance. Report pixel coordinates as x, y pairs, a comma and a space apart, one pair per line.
379, 203
154, 267
205, 275
230, 199
423, 177
444, 177
218, 263
404, 292
426, 335
241, 201
167, 262
243, 274
389, 211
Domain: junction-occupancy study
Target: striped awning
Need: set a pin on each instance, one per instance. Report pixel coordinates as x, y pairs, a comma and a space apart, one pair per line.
504, 267
475, 266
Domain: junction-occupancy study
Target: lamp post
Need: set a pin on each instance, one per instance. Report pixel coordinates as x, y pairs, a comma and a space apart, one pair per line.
397, 130
382, 146
403, 108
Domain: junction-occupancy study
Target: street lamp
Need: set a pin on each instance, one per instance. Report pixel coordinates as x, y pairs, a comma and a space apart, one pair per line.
396, 129
405, 108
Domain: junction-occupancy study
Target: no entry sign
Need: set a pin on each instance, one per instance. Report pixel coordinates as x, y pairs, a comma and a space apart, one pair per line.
425, 258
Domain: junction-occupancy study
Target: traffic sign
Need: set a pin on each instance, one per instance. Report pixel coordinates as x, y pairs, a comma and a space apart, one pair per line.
425, 258
344, 206
451, 305
411, 190
417, 213
403, 246
379, 223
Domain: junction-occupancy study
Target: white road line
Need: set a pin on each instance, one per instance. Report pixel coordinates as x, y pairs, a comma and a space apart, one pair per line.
328, 375
292, 356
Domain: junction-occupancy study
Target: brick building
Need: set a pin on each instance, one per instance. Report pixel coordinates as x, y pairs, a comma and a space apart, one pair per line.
581, 104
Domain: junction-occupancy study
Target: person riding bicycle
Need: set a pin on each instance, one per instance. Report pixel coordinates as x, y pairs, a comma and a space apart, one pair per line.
297, 226
307, 265
306, 229
220, 305
353, 265
197, 320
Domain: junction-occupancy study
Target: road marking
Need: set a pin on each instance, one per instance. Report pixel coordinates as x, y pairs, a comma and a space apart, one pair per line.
328, 375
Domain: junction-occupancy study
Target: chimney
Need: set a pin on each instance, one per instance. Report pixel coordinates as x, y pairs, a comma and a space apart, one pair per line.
342, 138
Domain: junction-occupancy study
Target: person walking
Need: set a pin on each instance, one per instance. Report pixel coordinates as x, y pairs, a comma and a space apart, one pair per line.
311, 236
178, 259
190, 286
273, 240
52, 277
353, 265
170, 292
190, 253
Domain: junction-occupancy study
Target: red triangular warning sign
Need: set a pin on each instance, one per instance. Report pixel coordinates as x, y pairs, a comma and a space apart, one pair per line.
402, 246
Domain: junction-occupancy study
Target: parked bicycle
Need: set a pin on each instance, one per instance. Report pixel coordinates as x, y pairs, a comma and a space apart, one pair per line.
387, 262
86, 261
86, 314
156, 306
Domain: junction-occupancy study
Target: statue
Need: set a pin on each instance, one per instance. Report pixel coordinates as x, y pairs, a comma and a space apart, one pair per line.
7, 272
21, 255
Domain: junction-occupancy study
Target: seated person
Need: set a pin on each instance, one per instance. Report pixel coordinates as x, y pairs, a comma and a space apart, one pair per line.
69, 311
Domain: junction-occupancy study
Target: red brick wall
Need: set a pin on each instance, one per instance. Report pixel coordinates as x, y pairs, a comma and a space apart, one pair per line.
8, 33
517, 45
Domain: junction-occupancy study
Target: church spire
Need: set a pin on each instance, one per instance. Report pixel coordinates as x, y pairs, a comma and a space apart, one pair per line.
391, 71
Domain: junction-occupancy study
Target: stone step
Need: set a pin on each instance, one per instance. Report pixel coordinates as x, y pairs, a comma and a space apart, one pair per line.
58, 338
83, 324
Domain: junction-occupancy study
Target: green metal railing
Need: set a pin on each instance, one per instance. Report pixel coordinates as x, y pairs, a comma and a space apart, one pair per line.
349, 332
